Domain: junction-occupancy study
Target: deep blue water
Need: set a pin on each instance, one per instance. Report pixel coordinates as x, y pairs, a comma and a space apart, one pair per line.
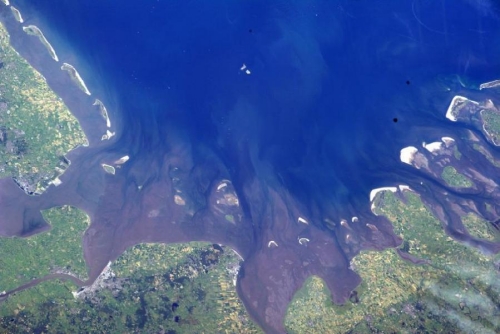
327, 79
336, 90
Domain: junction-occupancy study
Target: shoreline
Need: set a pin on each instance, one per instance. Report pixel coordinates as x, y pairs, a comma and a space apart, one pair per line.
33, 30
17, 14
374, 192
75, 76
407, 154
490, 84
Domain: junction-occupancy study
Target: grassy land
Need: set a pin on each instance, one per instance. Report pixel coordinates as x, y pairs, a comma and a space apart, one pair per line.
453, 178
56, 250
157, 288
36, 128
456, 292
480, 228
491, 121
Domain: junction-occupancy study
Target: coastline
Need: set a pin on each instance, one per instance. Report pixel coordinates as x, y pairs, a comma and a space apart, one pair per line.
17, 14
75, 76
63, 85
35, 31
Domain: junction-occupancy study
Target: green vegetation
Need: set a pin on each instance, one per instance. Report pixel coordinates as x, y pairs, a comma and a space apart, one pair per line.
180, 288
457, 291
456, 153
58, 250
453, 178
486, 154
36, 128
480, 228
491, 124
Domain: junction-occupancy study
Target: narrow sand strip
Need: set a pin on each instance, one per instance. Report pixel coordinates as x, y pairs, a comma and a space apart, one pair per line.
452, 112
17, 14
122, 160
404, 188
302, 220
221, 186
374, 192
75, 76
107, 135
104, 111
491, 84
33, 30
6, 2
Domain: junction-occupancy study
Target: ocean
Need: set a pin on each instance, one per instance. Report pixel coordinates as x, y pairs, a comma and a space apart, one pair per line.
303, 105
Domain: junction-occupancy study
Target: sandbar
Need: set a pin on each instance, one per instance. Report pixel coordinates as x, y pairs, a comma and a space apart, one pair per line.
103, 110
454, 108
107, 135
108, 169
303, 241
17, 14
179, 200
6, 2
75, 76
374, 192
404, 188
122, 160
272, 243
407, 154
221, 186
33, 30
448, 141
302, 220
491, 84
433, 147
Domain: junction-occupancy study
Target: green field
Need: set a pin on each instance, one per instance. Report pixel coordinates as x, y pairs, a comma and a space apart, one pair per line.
456, 292
453, 178
58, 250
36, 128
184, 288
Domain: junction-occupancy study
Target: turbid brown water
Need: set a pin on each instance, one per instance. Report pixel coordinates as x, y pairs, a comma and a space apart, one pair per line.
139, 204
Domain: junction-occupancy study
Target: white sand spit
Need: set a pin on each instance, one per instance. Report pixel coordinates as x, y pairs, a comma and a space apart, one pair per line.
374, 192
